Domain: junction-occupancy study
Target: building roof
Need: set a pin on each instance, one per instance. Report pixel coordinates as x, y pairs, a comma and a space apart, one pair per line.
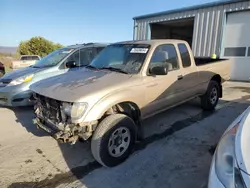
217, 3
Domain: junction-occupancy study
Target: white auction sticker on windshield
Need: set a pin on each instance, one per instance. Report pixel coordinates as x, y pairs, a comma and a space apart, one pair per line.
139, 50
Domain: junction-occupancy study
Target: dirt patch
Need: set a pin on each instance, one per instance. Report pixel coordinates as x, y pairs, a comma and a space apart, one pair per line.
39, 151
28, 161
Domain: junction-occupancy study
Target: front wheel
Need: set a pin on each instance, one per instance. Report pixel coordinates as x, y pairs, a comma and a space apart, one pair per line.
210, 99
113, 140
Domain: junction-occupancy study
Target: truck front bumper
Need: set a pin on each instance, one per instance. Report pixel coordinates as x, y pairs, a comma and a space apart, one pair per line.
53, 131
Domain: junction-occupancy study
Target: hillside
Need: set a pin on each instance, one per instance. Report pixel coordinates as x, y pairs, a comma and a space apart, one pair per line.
8, 50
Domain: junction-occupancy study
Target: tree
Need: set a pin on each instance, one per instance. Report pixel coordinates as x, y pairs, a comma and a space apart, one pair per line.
37, 46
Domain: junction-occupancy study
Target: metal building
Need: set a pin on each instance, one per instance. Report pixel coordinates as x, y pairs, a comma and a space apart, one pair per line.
221, 27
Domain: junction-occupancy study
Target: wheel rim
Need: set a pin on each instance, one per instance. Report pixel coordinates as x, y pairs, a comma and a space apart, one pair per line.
119, 142
213, 96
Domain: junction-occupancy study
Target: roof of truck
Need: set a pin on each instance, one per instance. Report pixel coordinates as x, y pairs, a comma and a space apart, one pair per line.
88, 45
151, 42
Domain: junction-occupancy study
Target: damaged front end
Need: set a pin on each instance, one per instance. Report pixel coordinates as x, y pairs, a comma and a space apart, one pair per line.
55, 118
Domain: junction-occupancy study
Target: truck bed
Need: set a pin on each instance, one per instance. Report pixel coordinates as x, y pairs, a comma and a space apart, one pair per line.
206, 60
216, 66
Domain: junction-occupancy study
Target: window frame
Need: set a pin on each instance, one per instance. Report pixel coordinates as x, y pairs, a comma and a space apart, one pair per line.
64, 61
182, 56
177, 58
97, 49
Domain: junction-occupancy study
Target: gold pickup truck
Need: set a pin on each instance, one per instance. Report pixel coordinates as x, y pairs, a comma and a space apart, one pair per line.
125, 84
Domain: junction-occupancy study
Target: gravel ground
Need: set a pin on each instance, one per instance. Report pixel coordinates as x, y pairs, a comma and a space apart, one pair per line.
176, 152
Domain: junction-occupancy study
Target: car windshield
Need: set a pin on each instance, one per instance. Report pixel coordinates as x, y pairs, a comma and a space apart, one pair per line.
53, 58
124, 58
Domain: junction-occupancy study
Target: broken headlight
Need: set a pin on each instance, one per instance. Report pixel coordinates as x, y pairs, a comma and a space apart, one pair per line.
78, 110
75, 110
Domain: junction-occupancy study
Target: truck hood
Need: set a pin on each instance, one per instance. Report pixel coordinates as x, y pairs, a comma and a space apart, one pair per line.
242, 143
75, 86
21, 72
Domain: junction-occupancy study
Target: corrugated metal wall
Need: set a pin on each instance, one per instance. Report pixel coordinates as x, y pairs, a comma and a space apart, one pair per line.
208, 26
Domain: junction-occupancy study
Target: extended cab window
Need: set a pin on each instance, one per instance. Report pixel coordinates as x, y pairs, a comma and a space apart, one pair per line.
185, 56
165, 55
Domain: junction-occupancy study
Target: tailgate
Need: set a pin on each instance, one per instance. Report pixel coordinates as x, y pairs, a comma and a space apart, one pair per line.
22, 64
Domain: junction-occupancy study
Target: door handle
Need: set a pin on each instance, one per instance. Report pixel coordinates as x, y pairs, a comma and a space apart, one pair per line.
180, 77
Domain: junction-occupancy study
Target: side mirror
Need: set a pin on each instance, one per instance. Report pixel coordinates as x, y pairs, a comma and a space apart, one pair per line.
159, 70
70, 64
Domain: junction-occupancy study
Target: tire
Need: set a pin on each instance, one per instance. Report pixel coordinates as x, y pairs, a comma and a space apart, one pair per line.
108, 135
210, 99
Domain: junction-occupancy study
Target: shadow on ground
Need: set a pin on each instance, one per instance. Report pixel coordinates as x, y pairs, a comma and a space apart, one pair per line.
24, 116
74, 154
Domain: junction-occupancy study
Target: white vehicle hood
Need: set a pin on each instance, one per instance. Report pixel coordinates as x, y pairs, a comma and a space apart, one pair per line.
242, 143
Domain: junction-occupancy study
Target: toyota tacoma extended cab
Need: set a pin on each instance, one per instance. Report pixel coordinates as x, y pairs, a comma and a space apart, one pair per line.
125, 84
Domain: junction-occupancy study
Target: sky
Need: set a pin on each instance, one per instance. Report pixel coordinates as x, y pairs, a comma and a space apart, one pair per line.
77, 21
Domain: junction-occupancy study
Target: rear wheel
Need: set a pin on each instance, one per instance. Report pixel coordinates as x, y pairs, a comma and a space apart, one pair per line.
210, 99
113, 140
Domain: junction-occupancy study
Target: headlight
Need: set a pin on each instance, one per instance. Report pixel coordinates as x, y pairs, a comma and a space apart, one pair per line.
74, 111
78, 110
21, 80
225, 162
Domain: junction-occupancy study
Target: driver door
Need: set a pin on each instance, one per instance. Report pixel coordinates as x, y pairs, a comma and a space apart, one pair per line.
162, 91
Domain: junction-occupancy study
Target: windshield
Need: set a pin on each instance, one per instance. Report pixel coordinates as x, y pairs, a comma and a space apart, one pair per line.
53, 58
128, 58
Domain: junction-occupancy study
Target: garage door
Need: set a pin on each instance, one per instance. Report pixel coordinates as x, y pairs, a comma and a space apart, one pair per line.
236, 44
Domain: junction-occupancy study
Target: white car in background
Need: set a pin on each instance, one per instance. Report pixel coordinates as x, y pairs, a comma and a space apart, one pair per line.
25, 61
230, 167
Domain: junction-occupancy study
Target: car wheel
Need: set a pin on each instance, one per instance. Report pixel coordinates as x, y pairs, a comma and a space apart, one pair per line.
113, 140
210, 99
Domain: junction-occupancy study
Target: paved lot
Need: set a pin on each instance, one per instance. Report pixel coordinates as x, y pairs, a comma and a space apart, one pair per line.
176, 153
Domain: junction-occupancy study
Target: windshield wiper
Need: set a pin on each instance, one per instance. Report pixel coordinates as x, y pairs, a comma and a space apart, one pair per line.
115, 69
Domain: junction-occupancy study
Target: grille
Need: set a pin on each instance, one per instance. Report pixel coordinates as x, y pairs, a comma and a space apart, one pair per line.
49, 108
